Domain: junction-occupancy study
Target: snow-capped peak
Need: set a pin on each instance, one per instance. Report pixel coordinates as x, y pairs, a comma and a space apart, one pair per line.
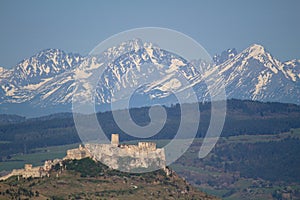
255, 50
255, 74
44, 64
49, 76
256, 47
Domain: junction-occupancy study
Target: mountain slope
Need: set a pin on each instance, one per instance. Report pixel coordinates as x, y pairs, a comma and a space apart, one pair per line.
151, 73
27, 80
254, 74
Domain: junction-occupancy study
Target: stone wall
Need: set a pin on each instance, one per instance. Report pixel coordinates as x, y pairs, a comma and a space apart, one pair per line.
122, 156
128, 157
148, 146
34, 172
77, 154
117, 156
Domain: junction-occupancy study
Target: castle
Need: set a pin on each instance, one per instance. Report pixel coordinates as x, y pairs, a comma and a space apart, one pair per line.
118, 156
127, 157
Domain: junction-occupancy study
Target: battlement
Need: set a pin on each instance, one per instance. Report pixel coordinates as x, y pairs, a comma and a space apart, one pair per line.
147, 145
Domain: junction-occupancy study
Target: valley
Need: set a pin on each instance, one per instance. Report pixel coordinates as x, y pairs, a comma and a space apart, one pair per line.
191, 100
258, 174
255, 158
20, 134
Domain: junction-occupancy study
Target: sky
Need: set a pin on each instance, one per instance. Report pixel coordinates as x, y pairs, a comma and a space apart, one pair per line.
27, 27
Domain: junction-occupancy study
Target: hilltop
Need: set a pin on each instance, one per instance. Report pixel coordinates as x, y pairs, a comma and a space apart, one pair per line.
87, 179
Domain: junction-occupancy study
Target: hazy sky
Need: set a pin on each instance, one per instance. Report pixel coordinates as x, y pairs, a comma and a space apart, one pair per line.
78, 26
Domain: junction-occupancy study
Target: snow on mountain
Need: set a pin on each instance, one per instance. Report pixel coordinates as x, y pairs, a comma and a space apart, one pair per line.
292, 69
45, 64
4, 73
254, 74
24, 82
48, 78
225, 55
142, 68
5, 86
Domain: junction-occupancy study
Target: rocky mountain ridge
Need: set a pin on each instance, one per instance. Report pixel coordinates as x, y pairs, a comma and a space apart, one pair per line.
50, 78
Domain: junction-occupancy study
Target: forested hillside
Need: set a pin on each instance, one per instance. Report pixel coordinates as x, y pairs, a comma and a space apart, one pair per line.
18, 134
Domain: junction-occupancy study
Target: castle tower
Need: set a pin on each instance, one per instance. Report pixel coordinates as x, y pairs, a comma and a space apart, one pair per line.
115, 139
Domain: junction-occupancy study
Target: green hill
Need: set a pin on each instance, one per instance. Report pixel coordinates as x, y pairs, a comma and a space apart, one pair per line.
86, 179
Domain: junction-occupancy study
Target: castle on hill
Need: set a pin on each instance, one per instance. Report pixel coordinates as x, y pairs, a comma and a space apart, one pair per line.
144, 156
124, 157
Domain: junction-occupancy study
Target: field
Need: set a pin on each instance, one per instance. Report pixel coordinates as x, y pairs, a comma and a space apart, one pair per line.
36, 157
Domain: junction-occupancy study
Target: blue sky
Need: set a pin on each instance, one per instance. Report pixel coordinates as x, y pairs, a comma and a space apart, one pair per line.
78, 26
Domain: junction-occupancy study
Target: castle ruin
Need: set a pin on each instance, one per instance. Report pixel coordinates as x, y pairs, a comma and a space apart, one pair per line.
77, 154
124, 157
34, 172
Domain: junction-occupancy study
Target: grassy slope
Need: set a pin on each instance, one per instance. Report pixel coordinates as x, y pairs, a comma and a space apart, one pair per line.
107, 185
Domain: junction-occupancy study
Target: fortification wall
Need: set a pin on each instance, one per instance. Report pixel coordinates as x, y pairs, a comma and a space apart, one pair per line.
117, 156
128, 157
34, 172
77, 154
148, 146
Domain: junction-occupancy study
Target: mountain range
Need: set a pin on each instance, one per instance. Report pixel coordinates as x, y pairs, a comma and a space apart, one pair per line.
47, 81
